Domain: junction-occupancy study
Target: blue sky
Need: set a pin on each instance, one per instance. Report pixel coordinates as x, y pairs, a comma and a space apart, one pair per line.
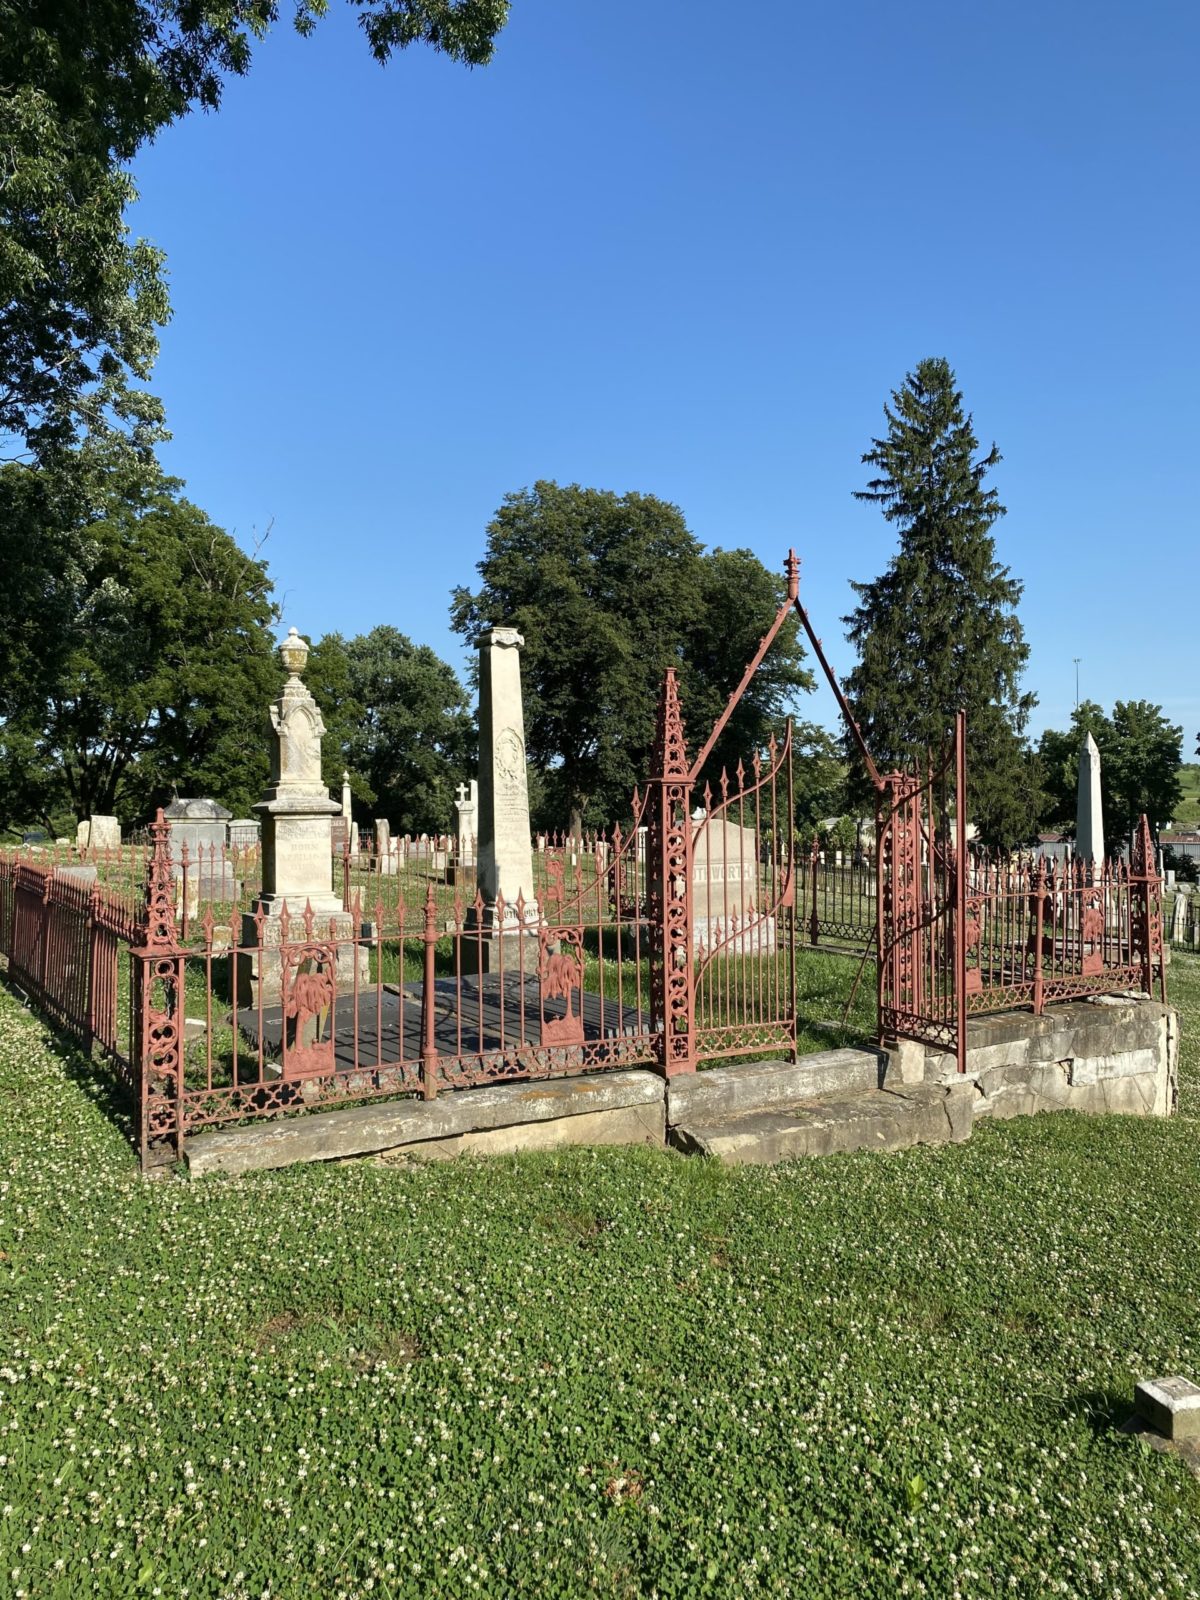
689, 248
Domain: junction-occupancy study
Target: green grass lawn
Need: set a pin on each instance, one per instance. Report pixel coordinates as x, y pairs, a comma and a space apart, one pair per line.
616, 1372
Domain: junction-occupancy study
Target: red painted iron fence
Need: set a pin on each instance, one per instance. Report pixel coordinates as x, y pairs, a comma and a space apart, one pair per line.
257, 1016
963, 933
672, 941
62, 933
419, 986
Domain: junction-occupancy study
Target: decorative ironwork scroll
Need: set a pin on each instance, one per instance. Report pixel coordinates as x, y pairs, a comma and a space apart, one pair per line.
158, 1068
669, 889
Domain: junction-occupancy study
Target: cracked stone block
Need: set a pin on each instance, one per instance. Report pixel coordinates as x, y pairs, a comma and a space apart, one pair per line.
1170, 1405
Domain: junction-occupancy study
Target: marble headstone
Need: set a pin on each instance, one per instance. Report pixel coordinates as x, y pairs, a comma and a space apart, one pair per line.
199, 827
99, 833
467, 806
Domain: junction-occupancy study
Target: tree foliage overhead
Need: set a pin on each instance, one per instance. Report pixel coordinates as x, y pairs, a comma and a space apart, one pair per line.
938, 630
1140, 754
83, 84
159, 664
398, 719
609, 591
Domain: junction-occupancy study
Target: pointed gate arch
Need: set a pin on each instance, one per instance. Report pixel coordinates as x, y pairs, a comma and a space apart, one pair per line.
722, 889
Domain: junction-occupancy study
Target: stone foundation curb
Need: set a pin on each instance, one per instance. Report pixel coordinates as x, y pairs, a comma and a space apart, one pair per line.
367, 1130
646, 1124
1115, 1055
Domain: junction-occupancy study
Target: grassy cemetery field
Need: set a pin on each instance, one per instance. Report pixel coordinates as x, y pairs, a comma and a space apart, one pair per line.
615, 1372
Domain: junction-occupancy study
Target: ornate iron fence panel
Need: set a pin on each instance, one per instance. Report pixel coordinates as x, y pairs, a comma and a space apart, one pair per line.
918, 993
744, 907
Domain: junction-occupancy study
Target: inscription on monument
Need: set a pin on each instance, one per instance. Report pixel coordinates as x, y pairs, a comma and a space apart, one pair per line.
510, 759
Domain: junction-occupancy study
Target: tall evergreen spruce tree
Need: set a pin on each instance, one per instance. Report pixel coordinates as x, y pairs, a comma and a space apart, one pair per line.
939, 629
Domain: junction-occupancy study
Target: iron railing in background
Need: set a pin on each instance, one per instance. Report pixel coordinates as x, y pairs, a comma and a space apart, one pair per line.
62, 933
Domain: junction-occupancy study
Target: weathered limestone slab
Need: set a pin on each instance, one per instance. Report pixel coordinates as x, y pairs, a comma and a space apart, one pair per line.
722, 1092
84, 874
876, 1119
905, 1063
1169, 1405
1108, 1054
362, 1130
641, 1124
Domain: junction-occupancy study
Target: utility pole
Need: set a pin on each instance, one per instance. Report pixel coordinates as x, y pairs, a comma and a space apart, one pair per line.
1077, 661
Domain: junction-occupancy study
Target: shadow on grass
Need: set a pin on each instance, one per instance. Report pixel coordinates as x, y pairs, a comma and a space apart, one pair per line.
1103, 1410
94, 1075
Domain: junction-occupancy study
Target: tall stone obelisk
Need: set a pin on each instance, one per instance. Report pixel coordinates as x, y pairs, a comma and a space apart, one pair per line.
1089, 817
505, 864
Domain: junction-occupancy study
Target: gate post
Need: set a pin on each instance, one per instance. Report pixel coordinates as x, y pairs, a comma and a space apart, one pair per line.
962, 867
669, 890
429, 1049
814, 861
158, 1042
1146, 918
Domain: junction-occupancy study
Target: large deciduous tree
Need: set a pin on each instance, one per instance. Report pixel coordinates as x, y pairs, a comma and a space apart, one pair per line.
1140, 755
156, 662
1058, 755
83, 84
609, 591
938, 630
397, 718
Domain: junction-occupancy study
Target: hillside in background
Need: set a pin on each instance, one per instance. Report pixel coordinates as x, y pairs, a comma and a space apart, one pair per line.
1187, 812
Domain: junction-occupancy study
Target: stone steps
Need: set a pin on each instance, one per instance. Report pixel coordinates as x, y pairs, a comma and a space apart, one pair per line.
825, 1124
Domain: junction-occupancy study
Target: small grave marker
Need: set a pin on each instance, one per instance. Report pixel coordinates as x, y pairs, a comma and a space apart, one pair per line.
1170, 1405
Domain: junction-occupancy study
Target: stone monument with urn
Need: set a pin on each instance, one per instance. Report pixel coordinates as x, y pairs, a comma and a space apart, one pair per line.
297, 855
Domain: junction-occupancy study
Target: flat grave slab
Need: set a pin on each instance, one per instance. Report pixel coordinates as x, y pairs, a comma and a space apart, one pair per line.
473, 1016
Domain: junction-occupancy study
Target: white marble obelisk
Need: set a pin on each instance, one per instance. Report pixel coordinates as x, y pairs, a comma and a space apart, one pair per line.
505, 854
346, 798
1089, 817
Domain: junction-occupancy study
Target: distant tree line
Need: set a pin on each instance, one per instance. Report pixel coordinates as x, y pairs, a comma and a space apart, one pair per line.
137, 654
